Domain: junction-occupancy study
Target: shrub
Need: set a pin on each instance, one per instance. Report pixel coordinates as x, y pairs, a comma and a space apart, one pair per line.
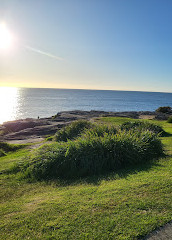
165, 109
91, 154
169, 119
142, 126
72, 131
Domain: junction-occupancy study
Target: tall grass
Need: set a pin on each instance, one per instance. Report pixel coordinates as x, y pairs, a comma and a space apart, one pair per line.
99, 130
99, 150
72, 131
143, 126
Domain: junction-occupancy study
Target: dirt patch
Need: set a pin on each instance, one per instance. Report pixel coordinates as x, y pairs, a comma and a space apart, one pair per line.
147, 117
25, 141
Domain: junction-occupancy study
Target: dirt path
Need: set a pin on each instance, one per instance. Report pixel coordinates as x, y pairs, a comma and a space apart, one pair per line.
28, 140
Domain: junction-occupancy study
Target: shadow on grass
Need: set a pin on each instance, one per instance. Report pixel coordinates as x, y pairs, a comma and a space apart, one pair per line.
166, 134
122, 173
92, 180
97, 179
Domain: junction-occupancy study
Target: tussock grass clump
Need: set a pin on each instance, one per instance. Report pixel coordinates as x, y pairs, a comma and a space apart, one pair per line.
142, 126
96, 155
169, 119
72, 131
165, 109
46, 163
92, 154
99, 130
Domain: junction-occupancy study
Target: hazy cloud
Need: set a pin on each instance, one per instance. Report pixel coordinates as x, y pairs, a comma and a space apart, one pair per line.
44, 53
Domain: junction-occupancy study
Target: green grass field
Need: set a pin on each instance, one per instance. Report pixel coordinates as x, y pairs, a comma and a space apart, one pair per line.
124, 205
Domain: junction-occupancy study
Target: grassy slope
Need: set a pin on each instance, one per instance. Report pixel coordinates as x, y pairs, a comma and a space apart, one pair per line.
125, 205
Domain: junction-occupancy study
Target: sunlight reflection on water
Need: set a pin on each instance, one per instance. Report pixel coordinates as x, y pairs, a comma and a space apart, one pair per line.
8, 103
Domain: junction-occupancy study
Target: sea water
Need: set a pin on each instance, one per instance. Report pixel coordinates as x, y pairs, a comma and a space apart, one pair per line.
19, 103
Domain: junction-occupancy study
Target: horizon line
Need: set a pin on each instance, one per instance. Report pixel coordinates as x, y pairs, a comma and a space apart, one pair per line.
87, 89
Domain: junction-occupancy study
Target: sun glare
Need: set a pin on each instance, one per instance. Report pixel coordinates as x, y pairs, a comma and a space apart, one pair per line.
6, 37
8, 103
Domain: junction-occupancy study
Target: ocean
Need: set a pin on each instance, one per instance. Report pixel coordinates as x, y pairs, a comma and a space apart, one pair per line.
19, 103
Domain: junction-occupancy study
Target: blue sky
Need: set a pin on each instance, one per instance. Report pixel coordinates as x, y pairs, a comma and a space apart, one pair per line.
102, 44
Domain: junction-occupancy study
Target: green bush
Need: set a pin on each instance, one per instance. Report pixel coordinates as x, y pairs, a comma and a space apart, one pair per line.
72, 131
169, 119
142, 126
92, 154
165, 109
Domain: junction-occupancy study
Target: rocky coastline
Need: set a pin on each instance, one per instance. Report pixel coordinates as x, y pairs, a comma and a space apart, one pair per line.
32, 130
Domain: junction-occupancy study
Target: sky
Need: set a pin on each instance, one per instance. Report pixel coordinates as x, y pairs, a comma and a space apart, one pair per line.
93, 44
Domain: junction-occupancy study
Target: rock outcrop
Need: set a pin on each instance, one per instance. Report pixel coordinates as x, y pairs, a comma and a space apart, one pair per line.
26, 130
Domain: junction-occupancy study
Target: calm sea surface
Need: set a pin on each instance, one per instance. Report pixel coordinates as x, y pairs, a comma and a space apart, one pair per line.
18, 103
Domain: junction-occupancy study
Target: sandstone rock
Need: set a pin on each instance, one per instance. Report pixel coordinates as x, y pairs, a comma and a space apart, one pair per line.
37, 128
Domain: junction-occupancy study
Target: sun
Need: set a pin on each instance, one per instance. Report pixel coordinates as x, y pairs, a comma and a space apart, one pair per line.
6, 37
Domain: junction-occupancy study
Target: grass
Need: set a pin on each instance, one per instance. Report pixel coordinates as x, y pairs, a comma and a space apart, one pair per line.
10, 147
140, 126
115, 121
124, 205
6, 148
72, 131
6, 162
